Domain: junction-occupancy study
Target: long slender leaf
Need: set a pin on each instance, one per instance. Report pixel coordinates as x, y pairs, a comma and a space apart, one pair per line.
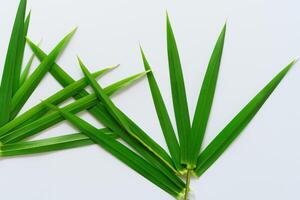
50, 144
39, 110
205, 101
29, 86
178, 93
46, 145
225, 138
124, 154
50, 119
26, 70
9, 72
141, 145
163, 116
21, 50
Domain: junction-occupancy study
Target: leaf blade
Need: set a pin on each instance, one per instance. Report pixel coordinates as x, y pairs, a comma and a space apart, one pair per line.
179, 98
20, 54
63, 142
163, 116
9, 74
205, 101
224, 139
26, 70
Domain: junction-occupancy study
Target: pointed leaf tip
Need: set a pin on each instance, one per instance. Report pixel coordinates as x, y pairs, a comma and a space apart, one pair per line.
114, 66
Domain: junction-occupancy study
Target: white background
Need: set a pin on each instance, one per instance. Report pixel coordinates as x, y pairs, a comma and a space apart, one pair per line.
262, 37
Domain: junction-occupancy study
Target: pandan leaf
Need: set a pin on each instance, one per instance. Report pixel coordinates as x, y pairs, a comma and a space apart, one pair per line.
20, 56
163, 116
178, 93
225, 138
9, 71
32, 82
50, 144
26, 69
205, 101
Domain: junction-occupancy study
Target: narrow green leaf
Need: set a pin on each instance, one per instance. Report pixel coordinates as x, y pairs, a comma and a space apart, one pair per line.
225, 138
163, 116
21, 50
9, 71
205, 101
39, 110
144, 145
111, 89
30, 129
29, 86
26, 70
178, 93
50, 144
124, 154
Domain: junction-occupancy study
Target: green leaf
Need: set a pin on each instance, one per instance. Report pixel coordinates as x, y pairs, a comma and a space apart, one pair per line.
50, 144
21, 50
124, 154
163, 116
225, 138
26, 70
31, 83
205, 101
50, 119
178, 93
39, 110
9, 71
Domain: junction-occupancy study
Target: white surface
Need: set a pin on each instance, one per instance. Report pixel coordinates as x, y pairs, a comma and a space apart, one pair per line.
262, 37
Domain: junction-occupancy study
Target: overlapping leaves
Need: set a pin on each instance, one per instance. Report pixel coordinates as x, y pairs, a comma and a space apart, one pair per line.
186, 154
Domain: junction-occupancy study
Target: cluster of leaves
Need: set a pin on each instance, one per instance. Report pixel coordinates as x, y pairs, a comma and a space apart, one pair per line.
185, 155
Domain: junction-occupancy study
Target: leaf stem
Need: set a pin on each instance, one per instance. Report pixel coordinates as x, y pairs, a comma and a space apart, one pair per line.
187, 187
